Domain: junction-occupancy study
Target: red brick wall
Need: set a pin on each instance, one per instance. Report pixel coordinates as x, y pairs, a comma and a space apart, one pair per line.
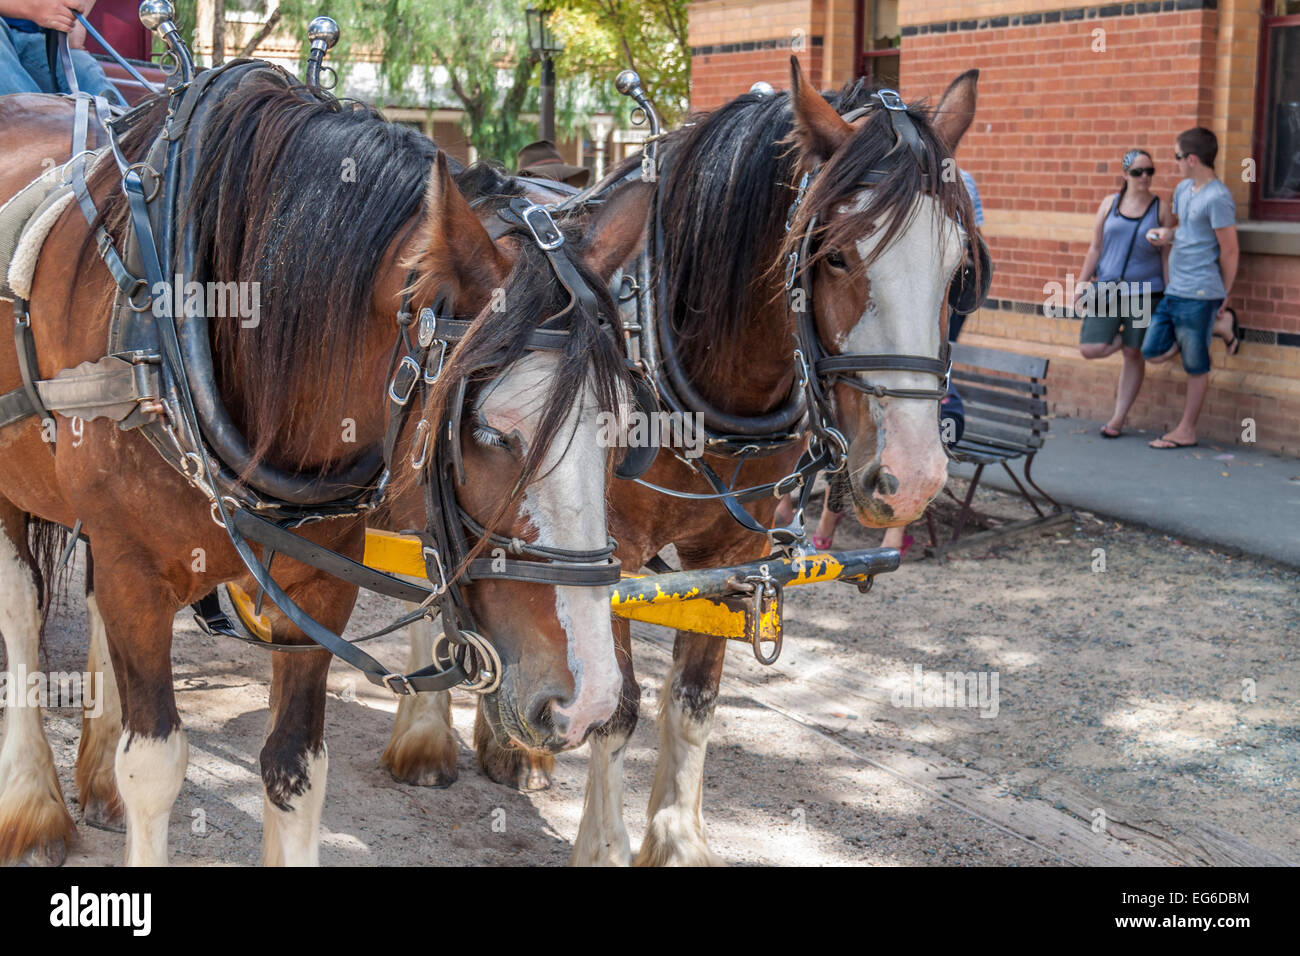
717, 78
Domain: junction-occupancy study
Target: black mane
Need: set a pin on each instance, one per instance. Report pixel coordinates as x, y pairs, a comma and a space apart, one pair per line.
303, 194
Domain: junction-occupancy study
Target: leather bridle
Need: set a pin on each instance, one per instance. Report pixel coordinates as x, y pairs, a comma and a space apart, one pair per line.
436, 456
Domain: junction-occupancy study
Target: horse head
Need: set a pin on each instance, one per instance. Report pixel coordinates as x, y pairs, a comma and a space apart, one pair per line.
888, 226
531, 464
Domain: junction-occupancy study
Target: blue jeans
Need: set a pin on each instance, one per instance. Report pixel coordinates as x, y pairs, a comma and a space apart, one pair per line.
25, 69
1187, 323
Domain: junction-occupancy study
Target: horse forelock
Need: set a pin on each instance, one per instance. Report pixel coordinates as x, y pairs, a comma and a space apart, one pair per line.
843, 220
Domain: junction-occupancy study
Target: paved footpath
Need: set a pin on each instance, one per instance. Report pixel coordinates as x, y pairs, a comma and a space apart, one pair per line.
1233, 496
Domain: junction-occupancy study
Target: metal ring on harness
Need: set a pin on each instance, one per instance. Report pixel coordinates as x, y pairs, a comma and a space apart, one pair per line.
130, 299
479, 659
157, 180
192, 458
231, 505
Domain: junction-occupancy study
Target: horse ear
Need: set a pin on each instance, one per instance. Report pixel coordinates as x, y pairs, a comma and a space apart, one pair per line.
956, 109
454, 249
617, 229
819, 130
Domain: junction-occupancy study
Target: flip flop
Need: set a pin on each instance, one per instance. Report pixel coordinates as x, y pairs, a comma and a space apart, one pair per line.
1170, 444
1105, 434
824, 544
1234, 346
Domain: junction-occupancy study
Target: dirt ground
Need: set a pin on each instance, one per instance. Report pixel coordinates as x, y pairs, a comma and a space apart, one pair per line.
1163, 690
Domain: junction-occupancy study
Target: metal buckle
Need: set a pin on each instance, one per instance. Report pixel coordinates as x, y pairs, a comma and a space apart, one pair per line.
420, 441
402, 683
414, 366
439, 586
890, 100
791, 267
545, 245
430, 379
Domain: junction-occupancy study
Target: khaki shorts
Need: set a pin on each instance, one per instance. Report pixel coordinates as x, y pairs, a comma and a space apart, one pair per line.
1132, 329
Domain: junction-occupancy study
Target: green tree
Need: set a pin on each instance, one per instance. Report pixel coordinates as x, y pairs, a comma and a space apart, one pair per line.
602, 37
473, 55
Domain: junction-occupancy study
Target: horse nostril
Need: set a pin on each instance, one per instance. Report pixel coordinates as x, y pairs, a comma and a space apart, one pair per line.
877, 481
541, 716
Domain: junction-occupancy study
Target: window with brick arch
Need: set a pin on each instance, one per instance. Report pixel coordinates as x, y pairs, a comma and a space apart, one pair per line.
1275, 193
877, 38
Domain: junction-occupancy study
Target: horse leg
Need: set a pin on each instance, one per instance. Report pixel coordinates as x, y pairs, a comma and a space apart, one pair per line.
101, 805
422, 750
506, 762
295, 760
137, 608
602, 836
35, 825
675, 831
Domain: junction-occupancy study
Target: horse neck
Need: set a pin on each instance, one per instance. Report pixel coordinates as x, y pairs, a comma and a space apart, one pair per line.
330, 421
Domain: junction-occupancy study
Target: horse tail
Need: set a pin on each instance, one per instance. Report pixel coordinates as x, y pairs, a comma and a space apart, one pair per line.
46, 542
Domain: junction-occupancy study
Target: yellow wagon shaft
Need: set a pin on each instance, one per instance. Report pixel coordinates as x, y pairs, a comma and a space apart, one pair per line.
740, 603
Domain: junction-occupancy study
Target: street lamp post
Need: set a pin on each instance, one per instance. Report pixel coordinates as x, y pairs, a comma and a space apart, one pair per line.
541, 40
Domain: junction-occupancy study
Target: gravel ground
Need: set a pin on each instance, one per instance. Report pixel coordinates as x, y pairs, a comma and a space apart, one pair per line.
1127, 682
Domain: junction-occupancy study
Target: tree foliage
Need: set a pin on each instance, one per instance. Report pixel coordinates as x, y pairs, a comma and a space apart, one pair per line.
473, 55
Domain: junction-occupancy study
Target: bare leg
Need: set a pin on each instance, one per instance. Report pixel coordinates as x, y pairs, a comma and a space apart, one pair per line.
295, 761
1130, 382
1198, 386
152, 752
1093, 350
422, 750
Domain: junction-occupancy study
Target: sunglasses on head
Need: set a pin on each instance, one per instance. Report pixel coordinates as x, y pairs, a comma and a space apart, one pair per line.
1142, 171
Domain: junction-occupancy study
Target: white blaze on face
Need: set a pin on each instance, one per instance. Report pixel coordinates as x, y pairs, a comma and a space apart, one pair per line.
566, 508
908, 293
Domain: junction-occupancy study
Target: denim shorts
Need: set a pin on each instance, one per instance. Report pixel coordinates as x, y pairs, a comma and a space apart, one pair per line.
1187, 323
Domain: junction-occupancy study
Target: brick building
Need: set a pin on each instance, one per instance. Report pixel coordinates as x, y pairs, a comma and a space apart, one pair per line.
1064, 92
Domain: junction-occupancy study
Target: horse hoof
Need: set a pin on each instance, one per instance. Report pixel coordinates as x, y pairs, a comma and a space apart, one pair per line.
518, 768
102, 816
48, 854
537, 779
436, 778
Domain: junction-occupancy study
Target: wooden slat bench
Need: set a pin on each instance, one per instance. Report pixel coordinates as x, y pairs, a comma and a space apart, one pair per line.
1004, 394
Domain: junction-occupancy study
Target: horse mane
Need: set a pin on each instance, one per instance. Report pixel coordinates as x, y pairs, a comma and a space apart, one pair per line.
728, 179
304, 194
726, 182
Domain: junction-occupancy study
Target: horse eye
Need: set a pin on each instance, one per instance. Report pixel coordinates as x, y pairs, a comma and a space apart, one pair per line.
835, 260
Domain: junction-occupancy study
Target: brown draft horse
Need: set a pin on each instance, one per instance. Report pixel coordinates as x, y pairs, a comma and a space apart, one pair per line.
880, 281
307, 385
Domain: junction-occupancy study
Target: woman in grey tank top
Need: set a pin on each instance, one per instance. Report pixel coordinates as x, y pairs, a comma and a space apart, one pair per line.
1122, 279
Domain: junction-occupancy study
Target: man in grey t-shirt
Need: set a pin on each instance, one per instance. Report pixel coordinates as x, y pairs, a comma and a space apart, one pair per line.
1202, 268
